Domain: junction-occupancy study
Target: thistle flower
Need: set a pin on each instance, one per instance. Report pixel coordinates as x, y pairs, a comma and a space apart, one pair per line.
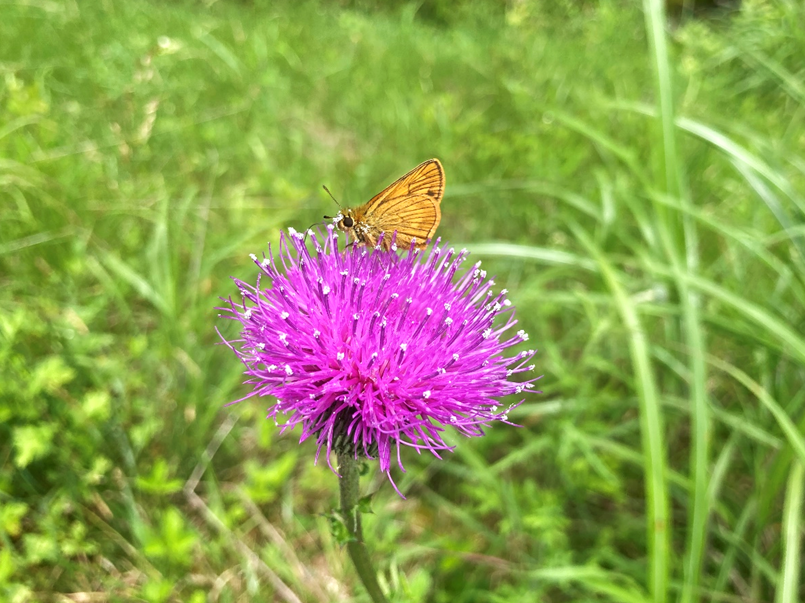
371, 350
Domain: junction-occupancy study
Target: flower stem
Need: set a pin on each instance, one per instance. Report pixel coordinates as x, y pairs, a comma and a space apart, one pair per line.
350, 482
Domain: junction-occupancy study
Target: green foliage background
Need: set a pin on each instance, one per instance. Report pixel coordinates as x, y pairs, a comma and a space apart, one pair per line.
636, 183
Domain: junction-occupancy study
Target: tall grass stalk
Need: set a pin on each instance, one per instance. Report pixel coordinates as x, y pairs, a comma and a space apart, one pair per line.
681, 247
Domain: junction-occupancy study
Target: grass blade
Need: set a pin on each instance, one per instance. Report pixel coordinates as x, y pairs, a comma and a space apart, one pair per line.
541, 254
753, 312
651, 427
787, 591
792, 433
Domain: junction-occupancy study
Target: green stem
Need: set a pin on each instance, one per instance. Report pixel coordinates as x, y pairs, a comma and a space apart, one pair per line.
350, 483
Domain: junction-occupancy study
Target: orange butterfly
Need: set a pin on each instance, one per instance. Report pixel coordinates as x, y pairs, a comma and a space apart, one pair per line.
409, 206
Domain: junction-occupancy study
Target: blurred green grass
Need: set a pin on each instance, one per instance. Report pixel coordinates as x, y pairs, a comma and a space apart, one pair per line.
641, 196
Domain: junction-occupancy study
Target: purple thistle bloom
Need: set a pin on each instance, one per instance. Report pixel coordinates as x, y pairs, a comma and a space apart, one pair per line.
370, 350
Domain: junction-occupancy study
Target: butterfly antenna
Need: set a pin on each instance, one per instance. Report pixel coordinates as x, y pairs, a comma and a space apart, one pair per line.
307, 230
331, 196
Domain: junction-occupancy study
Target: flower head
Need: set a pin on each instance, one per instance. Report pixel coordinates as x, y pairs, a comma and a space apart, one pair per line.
370, 350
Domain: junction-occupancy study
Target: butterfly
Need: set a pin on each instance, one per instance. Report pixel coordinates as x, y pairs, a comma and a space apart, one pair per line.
408, 206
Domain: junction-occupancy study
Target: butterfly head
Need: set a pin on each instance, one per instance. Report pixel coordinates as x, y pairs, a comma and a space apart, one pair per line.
343, 220
352, 222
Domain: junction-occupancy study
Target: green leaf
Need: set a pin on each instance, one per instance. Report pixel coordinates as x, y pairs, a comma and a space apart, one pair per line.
100, 467
157, 591
50, 375
7, 565
265, 481
159, 482
338, 528
172, 542
365, 504
40, 548
10, 515
75, 541
97, 405
32, 442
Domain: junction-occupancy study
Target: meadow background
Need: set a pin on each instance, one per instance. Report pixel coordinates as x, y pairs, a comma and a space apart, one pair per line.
635, 179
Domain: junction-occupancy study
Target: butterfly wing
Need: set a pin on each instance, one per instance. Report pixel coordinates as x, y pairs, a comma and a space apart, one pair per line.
410, 205
425, 179
417, 218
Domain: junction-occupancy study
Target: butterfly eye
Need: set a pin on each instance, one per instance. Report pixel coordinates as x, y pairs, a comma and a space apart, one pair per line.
348, 222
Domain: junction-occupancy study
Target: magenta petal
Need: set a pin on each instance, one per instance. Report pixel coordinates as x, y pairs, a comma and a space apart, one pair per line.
371, 351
